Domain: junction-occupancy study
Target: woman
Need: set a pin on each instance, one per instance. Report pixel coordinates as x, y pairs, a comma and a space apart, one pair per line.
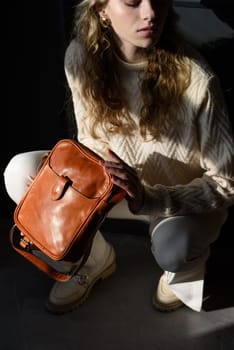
152, 108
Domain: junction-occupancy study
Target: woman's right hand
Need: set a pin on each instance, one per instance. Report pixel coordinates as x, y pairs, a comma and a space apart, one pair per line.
125, 177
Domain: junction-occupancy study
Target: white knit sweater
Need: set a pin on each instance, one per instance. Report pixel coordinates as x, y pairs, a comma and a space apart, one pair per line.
191, 170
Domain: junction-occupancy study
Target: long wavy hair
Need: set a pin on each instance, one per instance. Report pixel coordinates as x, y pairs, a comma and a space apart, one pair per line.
165, 79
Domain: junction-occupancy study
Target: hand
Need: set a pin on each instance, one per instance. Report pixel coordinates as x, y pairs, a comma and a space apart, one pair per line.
125, 177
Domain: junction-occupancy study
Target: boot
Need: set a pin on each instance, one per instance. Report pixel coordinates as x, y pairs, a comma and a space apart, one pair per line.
164, 299
101, 263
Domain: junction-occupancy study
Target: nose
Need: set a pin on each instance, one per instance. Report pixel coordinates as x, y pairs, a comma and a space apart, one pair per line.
147, 10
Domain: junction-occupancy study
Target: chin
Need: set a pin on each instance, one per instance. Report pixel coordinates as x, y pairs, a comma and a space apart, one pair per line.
147, 45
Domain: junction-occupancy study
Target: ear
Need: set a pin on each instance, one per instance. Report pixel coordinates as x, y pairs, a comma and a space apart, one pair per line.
100, 8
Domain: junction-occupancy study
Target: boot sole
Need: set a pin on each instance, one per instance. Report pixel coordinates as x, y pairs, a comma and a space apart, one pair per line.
61, 309
166, 307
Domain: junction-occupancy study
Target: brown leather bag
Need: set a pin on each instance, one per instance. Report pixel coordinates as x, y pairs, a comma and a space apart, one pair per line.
63, 208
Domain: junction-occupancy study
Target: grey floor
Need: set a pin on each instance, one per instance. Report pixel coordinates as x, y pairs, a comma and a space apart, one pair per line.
118, 314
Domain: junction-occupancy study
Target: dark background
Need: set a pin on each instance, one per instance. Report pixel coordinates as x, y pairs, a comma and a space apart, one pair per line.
36, 114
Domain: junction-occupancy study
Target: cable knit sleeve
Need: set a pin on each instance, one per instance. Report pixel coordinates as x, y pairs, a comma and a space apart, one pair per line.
215, 189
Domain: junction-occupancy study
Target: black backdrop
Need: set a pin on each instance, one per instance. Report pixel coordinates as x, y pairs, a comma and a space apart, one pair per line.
35, 115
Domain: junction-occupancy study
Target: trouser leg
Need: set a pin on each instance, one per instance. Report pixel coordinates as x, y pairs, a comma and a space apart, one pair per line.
20, 171
181, 247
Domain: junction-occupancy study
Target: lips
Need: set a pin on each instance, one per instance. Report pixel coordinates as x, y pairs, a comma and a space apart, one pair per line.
147, 29
147, 32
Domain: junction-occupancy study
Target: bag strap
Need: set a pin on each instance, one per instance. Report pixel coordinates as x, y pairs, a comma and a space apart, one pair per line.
41, 264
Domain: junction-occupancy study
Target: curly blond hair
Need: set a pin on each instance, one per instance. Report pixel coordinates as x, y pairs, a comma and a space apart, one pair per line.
165, 79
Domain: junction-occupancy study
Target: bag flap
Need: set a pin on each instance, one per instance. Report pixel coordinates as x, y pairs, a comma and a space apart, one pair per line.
80, 166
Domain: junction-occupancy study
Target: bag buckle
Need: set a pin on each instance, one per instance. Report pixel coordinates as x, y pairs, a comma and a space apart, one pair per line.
25, 243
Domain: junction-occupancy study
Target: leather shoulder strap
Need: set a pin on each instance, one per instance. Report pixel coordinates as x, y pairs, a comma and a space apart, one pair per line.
41, 264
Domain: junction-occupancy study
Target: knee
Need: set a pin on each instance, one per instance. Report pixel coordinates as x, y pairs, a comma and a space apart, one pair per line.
175, 252
168, 257
11, 173
16, 177
13, 166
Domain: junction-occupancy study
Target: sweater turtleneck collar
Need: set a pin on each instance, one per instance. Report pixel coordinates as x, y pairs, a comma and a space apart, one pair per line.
131, 65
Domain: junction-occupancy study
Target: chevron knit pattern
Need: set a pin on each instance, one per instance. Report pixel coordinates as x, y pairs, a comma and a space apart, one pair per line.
191, 170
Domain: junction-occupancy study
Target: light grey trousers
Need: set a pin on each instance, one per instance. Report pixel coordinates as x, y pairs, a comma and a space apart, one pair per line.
180, 244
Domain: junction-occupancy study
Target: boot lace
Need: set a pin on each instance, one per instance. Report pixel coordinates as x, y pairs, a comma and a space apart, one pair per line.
82, 279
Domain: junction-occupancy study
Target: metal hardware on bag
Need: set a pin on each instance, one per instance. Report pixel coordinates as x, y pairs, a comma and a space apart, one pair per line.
25, 243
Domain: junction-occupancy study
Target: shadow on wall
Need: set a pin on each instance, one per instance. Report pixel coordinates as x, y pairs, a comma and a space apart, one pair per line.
214, 37
223, 9
220, 53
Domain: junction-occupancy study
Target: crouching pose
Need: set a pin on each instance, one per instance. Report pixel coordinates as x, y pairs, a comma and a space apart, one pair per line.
150, 106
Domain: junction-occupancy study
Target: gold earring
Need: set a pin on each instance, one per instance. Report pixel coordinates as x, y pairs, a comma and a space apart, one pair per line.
105, 22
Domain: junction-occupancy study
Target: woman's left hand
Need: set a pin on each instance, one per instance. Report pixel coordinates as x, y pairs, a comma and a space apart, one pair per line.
125, 177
